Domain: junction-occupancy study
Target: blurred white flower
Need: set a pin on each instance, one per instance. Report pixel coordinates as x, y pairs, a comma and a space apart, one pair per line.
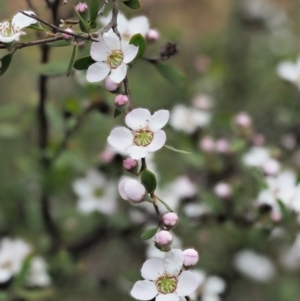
196, 210
290, 71
290, 258
38, 273
188, 119
255, 266
128, 28
96, 193
210, 287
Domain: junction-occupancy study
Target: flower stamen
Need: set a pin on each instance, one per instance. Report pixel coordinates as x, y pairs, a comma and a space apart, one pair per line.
143, 137
115, 59
166, 284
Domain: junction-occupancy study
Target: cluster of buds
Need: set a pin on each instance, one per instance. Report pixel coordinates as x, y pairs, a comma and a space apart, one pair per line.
209, 145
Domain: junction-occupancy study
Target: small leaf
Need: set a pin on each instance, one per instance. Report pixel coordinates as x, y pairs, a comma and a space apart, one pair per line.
21, 276
176, 150
82, 23
94, 8
54, 69
171, 73
148, 179
5, 62
165, 204
139, 41
148, 233
72, 60
60, 43
83, 63
117, 113
134, 4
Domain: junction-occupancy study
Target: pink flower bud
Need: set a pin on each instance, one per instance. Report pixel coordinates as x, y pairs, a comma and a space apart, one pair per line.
170, 219
242, 119
67, 36
258, 139
129, 164
106, 156
132, 190
276, 216
222, 146
81, 7
152, 35
207, 144
121, 101
163, 238
223, 190
190, 257
110, 85
271, 167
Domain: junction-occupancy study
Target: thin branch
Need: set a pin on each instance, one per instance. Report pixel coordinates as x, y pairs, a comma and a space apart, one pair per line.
127, 92
113, 21
102, 9
158, 214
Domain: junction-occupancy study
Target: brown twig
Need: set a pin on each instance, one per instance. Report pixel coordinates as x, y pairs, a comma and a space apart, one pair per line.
102, 9
113, 21
158, 214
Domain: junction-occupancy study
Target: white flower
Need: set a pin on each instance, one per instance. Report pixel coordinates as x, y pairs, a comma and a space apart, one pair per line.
257, 156
146, 135
164, 279
290, 71
38, 273
188, 119
11, 31
128, 28
254, 266
111, 56
96, 193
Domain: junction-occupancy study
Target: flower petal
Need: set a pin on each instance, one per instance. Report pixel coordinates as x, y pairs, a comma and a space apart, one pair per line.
138, 25
153, 268
99, 51
129, 52
144, 290
137, 152
22, 21
118, 74
167, 297
97, 72
111, 40
187, 283
121, 189
12, 38
137, 119
159, 120
120, 137
287, 71
159, 139
174, 262
87, 205
134, 190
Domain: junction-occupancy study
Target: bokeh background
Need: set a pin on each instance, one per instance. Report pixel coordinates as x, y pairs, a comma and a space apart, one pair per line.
229, 52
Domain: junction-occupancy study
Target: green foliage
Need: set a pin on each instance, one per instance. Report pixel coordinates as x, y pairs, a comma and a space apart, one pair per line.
54, 68
72, 60
171, 73
5, 62
117, 113
147, 234
94, 8
139, 41
176, 150
83, 63
134, 4
148, 179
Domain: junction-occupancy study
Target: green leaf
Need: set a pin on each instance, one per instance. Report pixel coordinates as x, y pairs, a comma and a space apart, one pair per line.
148, 179
38, 28
165, 204
134, 4
94, 8
171, 73
22, 275
117, 113
83, 63
72, 60
148, 233
54, 69
60, 43
176, 150
139, 41
5, 62
82, 23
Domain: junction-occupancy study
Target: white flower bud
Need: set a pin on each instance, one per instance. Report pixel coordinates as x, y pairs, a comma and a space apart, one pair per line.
132, 190
163, 238
190, 257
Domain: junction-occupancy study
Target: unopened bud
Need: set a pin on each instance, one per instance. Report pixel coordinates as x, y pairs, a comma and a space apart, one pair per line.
271, 167
81, 7
190, 257
152, 35
129, 164
163, 238
207, 144
132, 190
222, 146
170, 219
67, 36
276, 216
223, 190
110, 85
243, 119
121, 102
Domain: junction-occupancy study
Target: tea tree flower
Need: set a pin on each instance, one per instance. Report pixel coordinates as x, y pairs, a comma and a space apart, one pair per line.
131, 190
111, 57
290, 71
146, 135
11, 31
164, 279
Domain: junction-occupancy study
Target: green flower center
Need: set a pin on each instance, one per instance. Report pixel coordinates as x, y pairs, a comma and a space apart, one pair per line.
98, 192
115, 59
7, 29
143, 137
166, 284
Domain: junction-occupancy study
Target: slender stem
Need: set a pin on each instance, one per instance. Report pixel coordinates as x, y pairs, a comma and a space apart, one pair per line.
127, 92
144, 165
113, 21
158, 214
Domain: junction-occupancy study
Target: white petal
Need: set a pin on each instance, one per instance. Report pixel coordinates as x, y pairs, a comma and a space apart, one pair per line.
144, 290
12, 38
159, 139
122, 23
138, 25
174, 262
159, 120
129, 52
87, 205
134, 190
118, 74
214, 285
138, 119
120, 137
153, 268
111, 40
99, 51
167, 297
287, 71
23, 21
5, 275
97, 72
187, 283
137, 152
121, 189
